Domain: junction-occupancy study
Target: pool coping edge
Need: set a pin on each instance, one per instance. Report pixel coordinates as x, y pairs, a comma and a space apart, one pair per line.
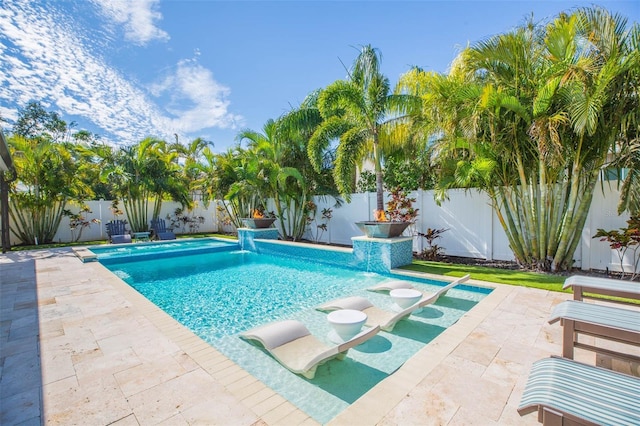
274, 409
255, 395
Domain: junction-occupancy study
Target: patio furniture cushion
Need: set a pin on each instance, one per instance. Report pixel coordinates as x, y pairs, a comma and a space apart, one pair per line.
601, 321
561, 389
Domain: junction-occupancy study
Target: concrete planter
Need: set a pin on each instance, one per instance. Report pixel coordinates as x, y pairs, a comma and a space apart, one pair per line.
258, 223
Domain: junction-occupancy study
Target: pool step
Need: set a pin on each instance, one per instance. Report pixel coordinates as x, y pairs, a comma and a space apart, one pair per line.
84, 254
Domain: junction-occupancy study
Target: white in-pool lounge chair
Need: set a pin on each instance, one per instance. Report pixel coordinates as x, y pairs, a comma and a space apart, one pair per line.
387, 286
565, 392
387, 320
293, 345
376, 317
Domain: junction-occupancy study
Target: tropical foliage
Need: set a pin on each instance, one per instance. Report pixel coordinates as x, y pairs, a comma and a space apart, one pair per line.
410, 174
274, 179
282, 170
628, 161
141, 176
530, 117
47, 175
367, 118
624, 241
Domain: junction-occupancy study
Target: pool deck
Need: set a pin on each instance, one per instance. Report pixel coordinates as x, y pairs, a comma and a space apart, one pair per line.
79, 346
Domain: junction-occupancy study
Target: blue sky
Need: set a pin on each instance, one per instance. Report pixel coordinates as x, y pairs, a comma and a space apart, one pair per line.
127, 69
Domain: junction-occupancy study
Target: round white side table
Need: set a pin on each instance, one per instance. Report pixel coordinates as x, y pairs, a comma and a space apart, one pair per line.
405, 297
346, 323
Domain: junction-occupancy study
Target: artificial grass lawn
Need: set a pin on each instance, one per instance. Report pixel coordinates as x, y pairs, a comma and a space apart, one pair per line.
496, 275
504, 276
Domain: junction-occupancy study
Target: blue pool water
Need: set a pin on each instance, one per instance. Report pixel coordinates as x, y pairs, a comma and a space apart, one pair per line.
154, 250
218, 295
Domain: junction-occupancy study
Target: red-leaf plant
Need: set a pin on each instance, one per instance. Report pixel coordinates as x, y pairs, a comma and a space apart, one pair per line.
622, 241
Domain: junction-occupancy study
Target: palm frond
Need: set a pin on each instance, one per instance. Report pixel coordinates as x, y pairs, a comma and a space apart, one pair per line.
339, 98
349, 155
630, 193
328, 131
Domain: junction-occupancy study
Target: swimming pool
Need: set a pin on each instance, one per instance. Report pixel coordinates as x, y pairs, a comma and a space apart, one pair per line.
119, 253
218, 295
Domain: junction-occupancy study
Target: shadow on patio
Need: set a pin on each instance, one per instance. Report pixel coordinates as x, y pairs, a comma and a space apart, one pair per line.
20, 368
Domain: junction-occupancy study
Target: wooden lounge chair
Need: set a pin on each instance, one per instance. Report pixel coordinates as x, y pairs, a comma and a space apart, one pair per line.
117, 232
565, 392
388, 286
601, 321
161, 231
293, 346
606, 286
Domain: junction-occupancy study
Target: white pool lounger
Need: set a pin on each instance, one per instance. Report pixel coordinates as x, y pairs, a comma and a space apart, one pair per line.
388, 286
293, 345
376, 317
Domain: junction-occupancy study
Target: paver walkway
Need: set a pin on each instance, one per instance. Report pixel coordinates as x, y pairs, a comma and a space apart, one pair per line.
78, 346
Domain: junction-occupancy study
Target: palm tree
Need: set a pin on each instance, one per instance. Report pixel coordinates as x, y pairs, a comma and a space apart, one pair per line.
366, 117
191, 157
50, 171
231, 176
529, 117
630, 191
142, 174
628, 150
276, 180
48, 177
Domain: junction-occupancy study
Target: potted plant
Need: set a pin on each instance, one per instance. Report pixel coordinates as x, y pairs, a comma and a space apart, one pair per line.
392, 222
259, 219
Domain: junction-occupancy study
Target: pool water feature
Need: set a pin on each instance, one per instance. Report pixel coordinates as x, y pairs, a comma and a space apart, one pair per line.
218, 295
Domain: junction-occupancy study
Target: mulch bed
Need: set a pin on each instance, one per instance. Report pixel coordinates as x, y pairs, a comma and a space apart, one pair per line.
501, 264
514, 266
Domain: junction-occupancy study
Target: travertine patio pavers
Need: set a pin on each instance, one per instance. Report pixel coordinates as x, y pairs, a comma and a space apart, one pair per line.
79, 346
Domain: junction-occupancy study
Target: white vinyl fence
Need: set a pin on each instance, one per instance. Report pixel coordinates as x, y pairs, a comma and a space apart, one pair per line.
473, 228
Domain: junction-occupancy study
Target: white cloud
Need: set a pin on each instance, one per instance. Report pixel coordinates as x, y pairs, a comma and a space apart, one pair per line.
197, 101
44, 60
137, 17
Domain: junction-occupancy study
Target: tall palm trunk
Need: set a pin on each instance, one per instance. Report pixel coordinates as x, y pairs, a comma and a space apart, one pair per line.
379, 180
